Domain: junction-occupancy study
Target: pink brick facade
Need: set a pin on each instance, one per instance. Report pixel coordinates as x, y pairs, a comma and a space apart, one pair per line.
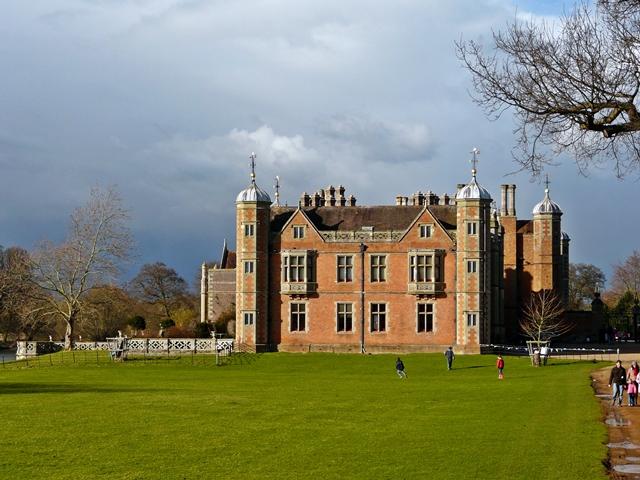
418, 276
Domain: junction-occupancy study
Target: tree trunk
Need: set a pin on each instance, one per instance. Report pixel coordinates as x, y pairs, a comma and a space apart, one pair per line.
68, 336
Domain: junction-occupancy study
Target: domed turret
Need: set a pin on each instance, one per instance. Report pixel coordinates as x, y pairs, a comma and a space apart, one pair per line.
547, 205
253, 193
473, 190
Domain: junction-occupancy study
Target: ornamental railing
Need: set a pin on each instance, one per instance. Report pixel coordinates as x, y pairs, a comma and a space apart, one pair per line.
140, 346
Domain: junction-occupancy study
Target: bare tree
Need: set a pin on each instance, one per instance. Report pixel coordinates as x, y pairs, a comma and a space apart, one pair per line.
97, 246
159, 285
573, 86
543, 316
626, 277
22, 312
583, 279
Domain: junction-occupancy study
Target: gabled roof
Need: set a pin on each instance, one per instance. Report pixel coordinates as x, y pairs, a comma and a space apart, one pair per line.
381, 218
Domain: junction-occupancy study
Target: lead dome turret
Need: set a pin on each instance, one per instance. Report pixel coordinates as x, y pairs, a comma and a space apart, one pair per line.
547, 205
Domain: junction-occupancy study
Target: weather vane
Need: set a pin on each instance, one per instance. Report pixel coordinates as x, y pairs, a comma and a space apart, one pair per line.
253, 165
277, 187
474, 160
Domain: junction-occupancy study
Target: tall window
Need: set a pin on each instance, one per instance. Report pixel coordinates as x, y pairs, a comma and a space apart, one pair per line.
294, 268
425, 231
472, 319
345, 268
248, 318
378, 317
472, 228
248, 267
297, 268
425, 317
298, 317
249, 230
378, 268
298, 231
472, 266
345, 317
425, 267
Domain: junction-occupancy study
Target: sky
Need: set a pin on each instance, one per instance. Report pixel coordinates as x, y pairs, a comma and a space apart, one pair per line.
169, 98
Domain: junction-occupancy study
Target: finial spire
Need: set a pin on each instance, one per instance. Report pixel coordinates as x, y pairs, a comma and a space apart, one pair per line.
253, 165
547, 182
277, 187
474, 160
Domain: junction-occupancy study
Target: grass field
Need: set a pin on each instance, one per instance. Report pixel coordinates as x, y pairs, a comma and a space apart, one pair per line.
302, 416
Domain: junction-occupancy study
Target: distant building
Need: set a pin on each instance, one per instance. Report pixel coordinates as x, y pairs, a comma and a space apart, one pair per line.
418, 276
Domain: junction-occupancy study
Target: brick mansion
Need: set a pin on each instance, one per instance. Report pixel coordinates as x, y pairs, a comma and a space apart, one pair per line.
418, 276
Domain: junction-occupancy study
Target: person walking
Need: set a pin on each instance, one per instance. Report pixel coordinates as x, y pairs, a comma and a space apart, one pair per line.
632, 386
500, 366
450, 356
617, 378
400, 368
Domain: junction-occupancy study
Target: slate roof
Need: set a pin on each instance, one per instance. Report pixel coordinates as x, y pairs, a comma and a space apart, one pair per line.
381, 218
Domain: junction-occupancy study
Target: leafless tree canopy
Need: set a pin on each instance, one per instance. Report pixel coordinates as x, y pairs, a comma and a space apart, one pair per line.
572, 86
22, 312
542, 316
97, 246
626, 276
158, 284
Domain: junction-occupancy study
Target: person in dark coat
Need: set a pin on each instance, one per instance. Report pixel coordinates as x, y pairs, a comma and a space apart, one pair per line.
400, 368
450, 356
617, 378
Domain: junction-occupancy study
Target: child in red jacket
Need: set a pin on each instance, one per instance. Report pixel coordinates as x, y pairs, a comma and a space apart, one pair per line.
500, 366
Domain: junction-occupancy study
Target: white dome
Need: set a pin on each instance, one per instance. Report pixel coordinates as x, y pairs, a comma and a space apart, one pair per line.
547, 205
473, 190
253, 194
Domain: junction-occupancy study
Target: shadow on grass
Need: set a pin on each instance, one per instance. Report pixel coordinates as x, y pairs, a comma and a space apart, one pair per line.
31, 388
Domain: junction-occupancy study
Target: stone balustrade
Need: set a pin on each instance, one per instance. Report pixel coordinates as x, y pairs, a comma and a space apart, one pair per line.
137, 346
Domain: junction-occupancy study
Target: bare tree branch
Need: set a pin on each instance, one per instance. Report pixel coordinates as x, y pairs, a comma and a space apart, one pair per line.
573, 88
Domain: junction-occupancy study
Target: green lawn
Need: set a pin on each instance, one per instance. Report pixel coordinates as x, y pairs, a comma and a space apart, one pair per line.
302, 416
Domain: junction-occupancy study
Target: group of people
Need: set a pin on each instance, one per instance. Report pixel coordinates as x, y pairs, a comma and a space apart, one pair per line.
621, 380
450, 357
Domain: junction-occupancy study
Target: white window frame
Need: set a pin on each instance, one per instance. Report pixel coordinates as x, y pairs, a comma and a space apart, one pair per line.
344, 268
425, 230
426, 266
294, 310
248, 318
298, 266
472, 266
378, 317
249, 229
298, 231
249, 266
472, 319
472, 228
378, 268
